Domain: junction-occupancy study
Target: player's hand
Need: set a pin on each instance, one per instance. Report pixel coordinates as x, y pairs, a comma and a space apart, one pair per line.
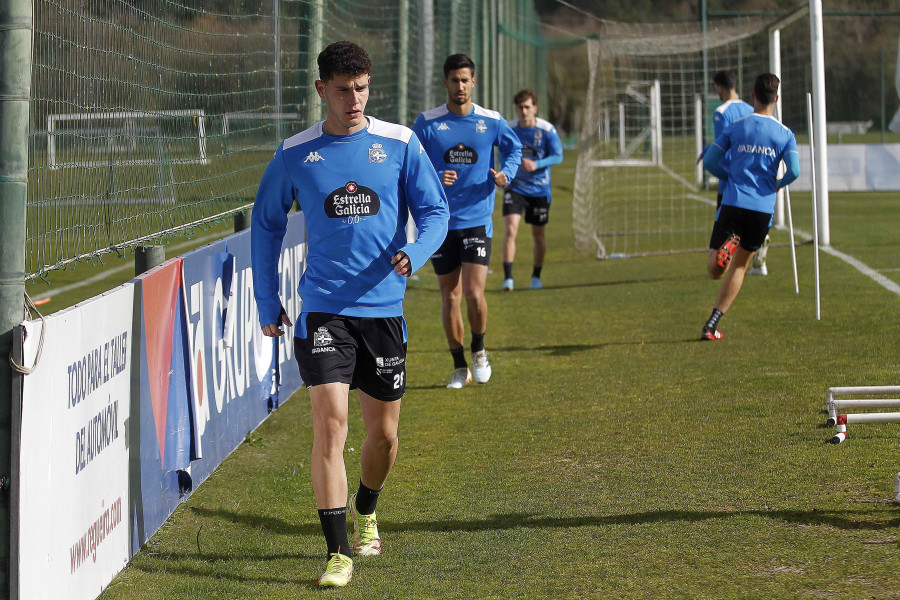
528, 165
402, 264
500, 178
449, 177
274, 329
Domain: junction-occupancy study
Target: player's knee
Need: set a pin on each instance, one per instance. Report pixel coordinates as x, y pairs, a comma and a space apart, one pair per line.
331, 433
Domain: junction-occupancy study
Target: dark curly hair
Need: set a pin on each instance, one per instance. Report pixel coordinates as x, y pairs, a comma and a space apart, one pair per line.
458, 61
343, 58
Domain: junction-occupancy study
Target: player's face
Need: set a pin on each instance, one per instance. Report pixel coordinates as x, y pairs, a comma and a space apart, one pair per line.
527, 112
345, 100
459, 84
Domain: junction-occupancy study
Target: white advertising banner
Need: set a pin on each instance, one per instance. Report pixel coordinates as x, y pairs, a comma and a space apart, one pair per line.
73, 520
855, 168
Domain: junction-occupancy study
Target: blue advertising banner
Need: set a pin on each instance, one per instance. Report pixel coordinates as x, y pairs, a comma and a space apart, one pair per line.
208, 375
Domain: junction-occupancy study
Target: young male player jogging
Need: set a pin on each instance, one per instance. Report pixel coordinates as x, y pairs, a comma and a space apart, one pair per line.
758, 144
459, 137
355, 178
529, 192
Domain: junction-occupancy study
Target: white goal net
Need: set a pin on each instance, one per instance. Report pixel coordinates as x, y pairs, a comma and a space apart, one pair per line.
648, 114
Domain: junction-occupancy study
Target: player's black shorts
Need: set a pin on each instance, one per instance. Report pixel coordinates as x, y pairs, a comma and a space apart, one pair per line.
470, 245
536, 208
718, 201
366, 352
752, 227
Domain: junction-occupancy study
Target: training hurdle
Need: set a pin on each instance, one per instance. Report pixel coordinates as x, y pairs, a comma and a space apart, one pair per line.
837, 404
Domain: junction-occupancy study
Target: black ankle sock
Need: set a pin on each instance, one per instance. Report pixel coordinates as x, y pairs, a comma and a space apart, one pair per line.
507, 270
713, 322
477, 342
459, 358
366, 499
536, 272
334, 526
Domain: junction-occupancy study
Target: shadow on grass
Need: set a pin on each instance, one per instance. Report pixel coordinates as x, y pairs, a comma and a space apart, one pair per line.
569, 349
569, 286
840, 520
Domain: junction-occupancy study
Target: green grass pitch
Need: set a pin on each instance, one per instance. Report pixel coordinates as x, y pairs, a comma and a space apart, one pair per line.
611, 455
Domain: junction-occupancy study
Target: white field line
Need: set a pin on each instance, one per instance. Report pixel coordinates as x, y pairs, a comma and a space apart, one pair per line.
860, 266
115, 270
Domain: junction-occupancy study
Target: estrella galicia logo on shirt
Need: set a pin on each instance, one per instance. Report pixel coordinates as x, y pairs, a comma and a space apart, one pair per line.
460, 154
352, 200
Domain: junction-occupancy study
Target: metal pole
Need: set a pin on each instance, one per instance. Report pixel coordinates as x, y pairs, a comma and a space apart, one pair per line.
276, 24
814, 166
316, 33
403, 63
15, 92
148, 257
821, 166
703, 27
426, 54
883, 98
775, 69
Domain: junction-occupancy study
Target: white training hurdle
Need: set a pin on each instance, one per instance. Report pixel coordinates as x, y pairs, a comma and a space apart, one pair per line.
837, 404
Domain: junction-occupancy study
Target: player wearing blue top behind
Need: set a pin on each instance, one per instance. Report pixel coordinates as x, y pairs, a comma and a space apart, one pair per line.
356, 179
529, 192
459, 137
758, 144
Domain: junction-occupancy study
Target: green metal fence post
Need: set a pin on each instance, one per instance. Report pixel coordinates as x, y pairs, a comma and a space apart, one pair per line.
403, 67
15, 92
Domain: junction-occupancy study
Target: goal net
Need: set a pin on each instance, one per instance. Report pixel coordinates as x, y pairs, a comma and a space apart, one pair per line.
648, 114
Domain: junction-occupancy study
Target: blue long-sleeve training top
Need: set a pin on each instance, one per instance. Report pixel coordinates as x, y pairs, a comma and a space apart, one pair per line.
758, 144
465, 144
541, 144
356, 192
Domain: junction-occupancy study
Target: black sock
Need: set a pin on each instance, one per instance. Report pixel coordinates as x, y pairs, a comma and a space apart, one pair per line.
713, 320
366, 499
459, 358
536, 272
477, 342
507, 270
334, 526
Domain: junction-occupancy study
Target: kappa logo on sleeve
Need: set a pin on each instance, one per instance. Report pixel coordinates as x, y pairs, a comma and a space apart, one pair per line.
443, 127
313, 157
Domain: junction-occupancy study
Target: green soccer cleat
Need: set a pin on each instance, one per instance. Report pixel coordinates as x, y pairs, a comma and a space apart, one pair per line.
338, 571
365, 532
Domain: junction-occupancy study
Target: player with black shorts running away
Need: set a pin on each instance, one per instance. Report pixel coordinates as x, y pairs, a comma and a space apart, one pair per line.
529, 193
758, 143
459, 137
356, 179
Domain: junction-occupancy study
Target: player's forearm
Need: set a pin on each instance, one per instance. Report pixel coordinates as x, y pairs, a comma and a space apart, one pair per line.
548, 161
792, 170
712, 162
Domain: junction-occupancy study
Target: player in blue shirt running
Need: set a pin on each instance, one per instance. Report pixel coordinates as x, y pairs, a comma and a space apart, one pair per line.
529, 192
758, 144
459, 137
356, 179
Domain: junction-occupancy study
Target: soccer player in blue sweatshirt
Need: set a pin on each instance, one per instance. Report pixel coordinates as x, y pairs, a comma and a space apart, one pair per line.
459, 137
530, 190
758, 144
356, 178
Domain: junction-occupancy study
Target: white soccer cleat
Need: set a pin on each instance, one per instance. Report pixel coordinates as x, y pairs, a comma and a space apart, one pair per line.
507, 285
459, 378
763, 270
482, 366
759, 260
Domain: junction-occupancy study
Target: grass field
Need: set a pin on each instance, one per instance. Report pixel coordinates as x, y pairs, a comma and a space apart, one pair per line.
611, 455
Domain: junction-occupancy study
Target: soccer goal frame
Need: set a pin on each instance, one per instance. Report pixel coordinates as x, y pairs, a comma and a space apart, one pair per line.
652, 99
129, 117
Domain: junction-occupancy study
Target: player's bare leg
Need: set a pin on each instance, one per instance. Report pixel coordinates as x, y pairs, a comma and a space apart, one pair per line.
451, 288
729, 289
474, 278
540, 250
510, 232
329, 474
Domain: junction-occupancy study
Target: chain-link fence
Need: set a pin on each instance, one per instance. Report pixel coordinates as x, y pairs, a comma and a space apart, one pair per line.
152, 117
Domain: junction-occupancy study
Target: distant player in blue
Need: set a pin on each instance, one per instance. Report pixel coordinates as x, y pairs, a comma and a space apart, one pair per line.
732, 109
356, 179
758, 144
529, 193
459, 137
